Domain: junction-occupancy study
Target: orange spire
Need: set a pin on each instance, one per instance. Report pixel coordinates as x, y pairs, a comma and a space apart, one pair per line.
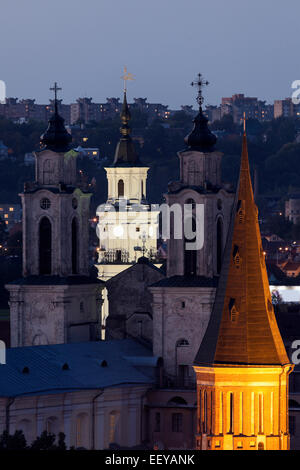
243, 328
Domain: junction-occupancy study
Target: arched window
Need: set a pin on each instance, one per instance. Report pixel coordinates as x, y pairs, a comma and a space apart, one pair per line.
192, 172
48, 172
45, 248
26, 426
120, 188
260, 413
74, 247
230, 411
191, 203
82, 439
52, 425
190, 255
182, 342
114, 418
219, 244
177, 401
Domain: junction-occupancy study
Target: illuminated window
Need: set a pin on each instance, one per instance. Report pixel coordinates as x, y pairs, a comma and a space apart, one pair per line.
5, 216
230, 412
233, 312
94, 153
11, 209
261, 413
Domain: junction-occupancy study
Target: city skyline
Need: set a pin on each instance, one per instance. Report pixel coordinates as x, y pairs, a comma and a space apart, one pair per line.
163, 46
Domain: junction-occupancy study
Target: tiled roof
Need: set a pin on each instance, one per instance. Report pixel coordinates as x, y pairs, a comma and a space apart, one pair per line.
36, 370
242, 329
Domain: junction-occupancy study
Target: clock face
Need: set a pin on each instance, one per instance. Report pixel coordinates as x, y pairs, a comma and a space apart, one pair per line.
118, 231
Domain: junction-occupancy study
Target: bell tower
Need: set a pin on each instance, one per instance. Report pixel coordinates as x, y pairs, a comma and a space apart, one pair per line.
242, 367
56, 301
128, 227
186, 296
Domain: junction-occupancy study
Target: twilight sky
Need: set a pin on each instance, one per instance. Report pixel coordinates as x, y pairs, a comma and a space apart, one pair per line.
248, 46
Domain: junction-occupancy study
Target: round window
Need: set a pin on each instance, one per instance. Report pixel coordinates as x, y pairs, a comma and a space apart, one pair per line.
45, 203
74, 203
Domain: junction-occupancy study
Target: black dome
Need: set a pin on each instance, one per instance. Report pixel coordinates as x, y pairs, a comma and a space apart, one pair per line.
56, 137
201, 138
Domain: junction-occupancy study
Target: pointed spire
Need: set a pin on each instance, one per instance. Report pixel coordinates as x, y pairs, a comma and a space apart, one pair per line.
243, 328
201, 138
56, 137
125, 152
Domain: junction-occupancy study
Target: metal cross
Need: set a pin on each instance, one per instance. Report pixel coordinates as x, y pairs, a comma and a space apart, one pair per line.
55, 88
200, 83
127, 76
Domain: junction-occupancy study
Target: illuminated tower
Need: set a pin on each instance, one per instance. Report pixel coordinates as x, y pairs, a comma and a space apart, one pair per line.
56, 301
127, 227
242, 367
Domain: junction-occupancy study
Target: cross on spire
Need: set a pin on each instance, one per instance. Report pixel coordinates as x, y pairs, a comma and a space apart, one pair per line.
127, 76
55, 88
200, 83
244, 122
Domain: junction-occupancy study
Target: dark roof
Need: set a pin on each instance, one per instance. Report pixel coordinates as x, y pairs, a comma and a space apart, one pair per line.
201, 138
187, 281
61, 368
125, 154
142, 261
56, 280
56, 137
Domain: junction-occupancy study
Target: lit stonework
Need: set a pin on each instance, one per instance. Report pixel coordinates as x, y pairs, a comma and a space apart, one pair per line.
127, 228
56, 301
241, 367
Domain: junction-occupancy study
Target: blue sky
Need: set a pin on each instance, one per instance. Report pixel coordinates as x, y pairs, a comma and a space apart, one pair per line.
243, 46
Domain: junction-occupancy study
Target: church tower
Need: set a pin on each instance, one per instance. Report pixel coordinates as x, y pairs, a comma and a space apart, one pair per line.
241, 367
56, 301
127, 227
182, 302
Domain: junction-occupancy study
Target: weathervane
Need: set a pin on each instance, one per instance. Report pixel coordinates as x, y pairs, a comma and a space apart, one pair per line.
55, 88
127, 76
200, 83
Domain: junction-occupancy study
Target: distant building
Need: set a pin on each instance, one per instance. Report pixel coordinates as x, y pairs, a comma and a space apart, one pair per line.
25, 110
213, 113
91, 153
3, 151
29, 159
239, 104
11, 214
283, 108
292, 208
84, 111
